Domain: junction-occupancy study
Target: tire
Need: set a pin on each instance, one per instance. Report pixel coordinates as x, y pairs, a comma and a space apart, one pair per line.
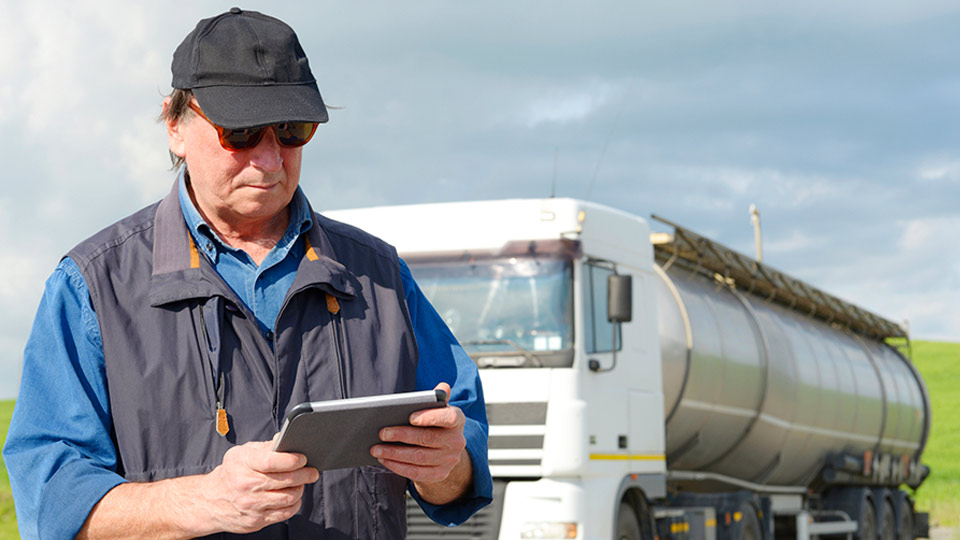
868, 521
749, 526
905, 530
888, 522
856, 502
628, 527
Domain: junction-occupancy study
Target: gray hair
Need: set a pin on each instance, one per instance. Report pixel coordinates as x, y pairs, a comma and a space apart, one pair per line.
178, 108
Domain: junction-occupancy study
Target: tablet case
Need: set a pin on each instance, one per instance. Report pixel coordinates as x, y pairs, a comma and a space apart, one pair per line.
339, 434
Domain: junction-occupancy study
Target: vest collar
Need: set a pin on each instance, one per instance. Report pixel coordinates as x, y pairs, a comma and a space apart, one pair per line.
180, 272
319, 266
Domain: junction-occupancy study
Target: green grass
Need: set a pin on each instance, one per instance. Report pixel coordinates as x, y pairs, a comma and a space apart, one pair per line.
8, 518
939, 363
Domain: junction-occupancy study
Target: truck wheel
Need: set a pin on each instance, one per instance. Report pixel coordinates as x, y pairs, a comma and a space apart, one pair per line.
888, 522
628, 528
856, 502
868, 521
749, 526
905, 531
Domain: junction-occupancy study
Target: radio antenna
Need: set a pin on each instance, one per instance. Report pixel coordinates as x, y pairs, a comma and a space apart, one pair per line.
603, 152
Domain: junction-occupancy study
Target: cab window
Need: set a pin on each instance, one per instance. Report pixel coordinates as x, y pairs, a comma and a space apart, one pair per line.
598, 330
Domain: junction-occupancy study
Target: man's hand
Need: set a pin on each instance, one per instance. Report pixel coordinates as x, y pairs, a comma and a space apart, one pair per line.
254, 487
251, 488
434, 453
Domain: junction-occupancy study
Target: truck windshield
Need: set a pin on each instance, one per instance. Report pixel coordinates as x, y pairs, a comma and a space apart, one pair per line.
515, 312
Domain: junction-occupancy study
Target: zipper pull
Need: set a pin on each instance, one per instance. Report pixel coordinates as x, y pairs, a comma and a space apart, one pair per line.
223, 424
333, 305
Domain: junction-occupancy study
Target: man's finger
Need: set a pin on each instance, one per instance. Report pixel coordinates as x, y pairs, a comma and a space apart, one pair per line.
282, 514
446, 417
417, 455
260, 457
278, 462
297, 478
415, 472
426, 437
445, 387
261, 502
282, 498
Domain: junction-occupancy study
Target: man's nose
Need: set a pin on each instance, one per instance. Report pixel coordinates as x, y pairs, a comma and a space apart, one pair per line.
266, 155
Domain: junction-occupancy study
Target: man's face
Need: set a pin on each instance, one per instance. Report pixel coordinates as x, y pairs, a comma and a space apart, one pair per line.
235, 187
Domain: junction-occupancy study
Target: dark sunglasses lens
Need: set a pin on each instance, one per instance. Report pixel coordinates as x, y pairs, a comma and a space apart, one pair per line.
295, 133
241, 138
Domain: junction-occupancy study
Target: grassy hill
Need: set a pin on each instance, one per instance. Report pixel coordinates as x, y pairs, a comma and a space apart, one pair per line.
8, 519
939, 363
940, 495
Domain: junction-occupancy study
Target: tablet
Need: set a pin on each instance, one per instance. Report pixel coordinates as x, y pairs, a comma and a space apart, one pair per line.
339, 433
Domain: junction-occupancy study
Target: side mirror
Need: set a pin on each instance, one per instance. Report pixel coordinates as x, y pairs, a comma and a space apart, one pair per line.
619, 298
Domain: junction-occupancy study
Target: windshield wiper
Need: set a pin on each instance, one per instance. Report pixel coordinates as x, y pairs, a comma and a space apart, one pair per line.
526, 353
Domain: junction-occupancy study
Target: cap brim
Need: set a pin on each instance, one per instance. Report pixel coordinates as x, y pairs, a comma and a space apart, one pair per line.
250, 106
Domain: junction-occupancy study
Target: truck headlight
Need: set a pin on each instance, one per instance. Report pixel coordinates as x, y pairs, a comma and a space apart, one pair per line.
548, 529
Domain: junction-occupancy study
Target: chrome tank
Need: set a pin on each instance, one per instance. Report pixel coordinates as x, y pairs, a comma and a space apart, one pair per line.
761, 393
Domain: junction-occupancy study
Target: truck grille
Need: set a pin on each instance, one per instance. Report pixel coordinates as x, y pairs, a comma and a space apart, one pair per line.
484, 525
516, 437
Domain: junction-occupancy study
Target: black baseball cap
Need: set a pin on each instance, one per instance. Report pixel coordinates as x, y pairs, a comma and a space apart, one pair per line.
247, 69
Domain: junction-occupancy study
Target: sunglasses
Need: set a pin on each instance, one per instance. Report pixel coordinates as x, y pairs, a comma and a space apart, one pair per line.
289, 134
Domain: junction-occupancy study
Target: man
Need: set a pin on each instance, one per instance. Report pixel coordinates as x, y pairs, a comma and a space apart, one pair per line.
168, 347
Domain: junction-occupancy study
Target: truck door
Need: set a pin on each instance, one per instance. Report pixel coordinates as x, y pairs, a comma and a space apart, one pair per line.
621, 372
603, 369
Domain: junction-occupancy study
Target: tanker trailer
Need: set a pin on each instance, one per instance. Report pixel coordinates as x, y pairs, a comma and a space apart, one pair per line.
661, 385
770, 384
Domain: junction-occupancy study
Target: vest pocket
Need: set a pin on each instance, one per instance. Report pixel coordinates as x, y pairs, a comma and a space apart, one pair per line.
209, 370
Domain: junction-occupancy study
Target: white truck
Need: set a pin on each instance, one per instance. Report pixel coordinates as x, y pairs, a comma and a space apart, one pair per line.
662, 386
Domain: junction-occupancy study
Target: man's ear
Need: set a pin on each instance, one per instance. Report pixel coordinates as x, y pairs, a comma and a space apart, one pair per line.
174, 136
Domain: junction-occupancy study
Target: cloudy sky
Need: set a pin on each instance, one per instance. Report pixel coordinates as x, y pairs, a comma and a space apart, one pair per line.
839, 123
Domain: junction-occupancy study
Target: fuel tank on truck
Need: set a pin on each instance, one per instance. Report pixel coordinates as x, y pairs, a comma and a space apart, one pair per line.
765, 377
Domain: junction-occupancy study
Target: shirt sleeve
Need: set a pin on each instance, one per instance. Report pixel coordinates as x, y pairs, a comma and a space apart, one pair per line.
442, 359
59, 452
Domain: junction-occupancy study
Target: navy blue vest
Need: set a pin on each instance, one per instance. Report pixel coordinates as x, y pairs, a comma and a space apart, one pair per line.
177, 340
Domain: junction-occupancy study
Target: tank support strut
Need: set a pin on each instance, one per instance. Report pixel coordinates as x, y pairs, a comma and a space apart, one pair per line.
807, 528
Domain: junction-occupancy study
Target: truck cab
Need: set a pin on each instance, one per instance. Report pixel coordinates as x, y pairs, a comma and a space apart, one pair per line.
523, 284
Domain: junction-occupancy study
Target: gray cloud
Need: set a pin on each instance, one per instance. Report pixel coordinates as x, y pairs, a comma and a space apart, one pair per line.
837, 121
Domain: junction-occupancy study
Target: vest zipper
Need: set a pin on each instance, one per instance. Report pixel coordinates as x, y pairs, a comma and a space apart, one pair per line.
277, 416
333, 306
213, 357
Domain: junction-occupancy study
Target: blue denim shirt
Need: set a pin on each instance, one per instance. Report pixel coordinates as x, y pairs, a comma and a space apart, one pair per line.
262, 288
59, 453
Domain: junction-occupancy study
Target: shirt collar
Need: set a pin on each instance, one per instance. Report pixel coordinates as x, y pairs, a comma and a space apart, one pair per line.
300, 219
